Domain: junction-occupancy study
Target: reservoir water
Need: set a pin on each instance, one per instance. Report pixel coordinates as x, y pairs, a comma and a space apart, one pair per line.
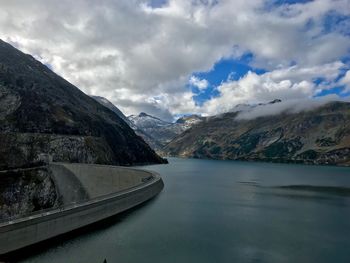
225, 211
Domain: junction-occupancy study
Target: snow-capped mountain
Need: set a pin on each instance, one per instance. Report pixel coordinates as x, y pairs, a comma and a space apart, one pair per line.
145, 121
187, 122
157, 132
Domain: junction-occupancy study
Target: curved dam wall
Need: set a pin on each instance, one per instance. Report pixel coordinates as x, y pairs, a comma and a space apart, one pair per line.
99, 180
91, 193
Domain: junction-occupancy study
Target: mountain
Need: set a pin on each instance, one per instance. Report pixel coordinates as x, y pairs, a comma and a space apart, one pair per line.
248, 107
318, 136
41, 113
112, 107
157, 132
145, 121
153, 130
146, 137
187, 122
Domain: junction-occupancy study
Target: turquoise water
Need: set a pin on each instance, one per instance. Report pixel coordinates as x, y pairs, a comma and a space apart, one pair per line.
225, 211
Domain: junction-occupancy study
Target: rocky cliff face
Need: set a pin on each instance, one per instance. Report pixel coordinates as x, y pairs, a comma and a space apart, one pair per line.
25, 191
319, 136
41, 112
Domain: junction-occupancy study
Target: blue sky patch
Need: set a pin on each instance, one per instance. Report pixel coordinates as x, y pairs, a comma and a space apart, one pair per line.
225, 69
336, 90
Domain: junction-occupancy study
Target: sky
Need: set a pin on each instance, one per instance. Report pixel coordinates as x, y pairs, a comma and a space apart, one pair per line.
174, 57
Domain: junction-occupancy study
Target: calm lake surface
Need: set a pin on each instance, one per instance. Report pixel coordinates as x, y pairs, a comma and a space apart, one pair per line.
226, 211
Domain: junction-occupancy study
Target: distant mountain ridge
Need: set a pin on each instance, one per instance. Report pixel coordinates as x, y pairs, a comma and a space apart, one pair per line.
318, 136
157, 132
246, 106
145, 121
41, 113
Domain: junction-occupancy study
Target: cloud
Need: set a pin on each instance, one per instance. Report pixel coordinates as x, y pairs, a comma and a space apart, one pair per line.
201, 84
346, 81
132, 51
289, 106
286, 84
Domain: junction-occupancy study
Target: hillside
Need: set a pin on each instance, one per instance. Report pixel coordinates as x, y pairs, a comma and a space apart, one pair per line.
103, 101
318, 136
41, 113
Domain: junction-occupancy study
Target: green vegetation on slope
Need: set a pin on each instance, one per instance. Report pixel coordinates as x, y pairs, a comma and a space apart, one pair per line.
319, 136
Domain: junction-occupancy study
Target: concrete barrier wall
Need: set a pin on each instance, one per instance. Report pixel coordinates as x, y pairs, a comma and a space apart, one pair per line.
30, 230
98, 180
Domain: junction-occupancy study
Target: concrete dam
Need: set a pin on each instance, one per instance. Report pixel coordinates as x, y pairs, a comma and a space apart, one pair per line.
90, 193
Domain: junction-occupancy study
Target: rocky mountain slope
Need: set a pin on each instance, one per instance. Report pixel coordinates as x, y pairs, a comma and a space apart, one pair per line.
103, 101
146, 121
40, 112
146, 137
318, 136
157, 132
187, 122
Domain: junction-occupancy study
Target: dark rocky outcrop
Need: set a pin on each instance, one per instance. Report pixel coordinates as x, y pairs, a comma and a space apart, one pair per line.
318, 136
26, 191
40, 112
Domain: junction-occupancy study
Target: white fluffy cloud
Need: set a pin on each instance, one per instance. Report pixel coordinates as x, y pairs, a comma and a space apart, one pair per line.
141, 57
286, 84
346, 81
201, 84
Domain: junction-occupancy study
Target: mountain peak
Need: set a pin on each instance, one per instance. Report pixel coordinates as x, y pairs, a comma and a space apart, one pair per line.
158, 132
144, 120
